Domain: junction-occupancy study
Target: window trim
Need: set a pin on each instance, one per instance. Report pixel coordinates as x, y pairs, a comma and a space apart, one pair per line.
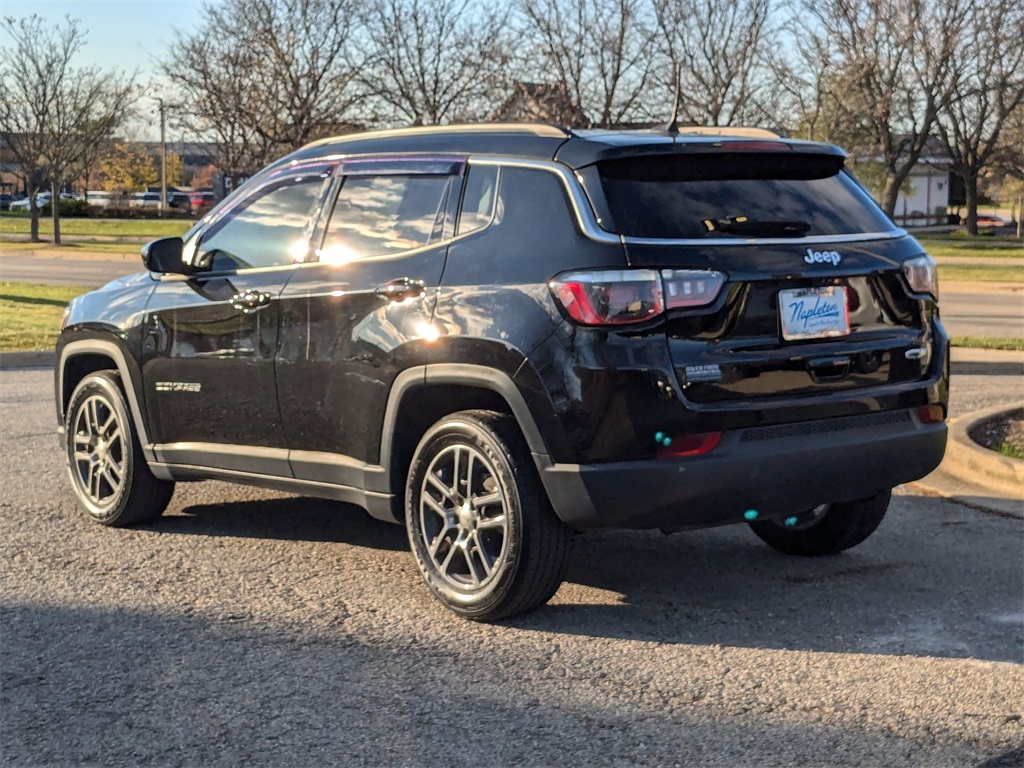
190, 249
593, 191
456, 231
453, 167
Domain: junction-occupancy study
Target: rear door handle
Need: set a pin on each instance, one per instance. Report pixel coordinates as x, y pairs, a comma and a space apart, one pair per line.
250, 301
401, 289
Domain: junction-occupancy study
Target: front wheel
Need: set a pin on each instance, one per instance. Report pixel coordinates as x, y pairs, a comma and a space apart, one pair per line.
481, 528
108, 471
827, 529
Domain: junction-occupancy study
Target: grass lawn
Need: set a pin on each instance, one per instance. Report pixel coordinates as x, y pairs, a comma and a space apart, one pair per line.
30, 314
968, 247
19, 247
1011, 450
16, 224
985, 342
981, 274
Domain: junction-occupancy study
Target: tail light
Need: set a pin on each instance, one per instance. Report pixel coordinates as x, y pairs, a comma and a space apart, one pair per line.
922, 275
628, 296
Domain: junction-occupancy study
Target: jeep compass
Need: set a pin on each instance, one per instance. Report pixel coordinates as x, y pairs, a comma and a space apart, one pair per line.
499, 336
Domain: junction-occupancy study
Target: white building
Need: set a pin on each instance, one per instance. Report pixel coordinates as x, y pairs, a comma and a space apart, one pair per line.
926, 195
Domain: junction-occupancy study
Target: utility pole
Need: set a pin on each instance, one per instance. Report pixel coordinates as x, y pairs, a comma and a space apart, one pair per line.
163, 156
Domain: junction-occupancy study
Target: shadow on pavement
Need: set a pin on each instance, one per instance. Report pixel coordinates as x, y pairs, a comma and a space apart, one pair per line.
91, 686
926, 588
920, 586
288, 519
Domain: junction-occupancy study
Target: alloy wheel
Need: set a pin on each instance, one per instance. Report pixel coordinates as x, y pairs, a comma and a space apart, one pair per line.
463, 518
98, 451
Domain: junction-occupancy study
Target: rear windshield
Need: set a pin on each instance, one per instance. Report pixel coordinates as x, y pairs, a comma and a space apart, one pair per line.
762, 194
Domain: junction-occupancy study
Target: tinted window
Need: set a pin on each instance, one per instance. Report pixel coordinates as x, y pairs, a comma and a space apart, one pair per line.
478, 199
266, 229
381, 215
769, 194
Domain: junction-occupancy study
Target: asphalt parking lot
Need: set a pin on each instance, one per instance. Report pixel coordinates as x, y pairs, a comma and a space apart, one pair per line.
249, 627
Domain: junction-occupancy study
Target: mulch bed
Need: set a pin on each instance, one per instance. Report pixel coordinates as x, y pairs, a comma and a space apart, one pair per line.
1008, 430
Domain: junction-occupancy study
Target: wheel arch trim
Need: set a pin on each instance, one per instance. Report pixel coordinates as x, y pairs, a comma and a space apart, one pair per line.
479, 376
117, 356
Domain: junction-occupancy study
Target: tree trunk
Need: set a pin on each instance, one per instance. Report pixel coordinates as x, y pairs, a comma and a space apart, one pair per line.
971, 194
55, 211
33, 208
1020, 217
893, 181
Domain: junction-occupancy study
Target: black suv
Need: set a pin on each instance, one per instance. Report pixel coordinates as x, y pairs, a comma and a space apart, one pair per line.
502, 335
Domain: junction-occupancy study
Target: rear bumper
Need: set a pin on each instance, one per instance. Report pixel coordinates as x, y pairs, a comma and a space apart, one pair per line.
774, 470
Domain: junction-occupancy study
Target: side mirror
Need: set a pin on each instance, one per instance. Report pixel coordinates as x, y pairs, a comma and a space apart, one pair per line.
164, 255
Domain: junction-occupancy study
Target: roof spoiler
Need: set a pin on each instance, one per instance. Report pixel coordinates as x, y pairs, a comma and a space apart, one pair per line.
738, 131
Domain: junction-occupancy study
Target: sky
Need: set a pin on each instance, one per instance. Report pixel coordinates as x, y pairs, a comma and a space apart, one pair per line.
120, 34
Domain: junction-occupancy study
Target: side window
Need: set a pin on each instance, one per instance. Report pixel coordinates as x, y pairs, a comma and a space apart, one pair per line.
382, 215
478, 200
268, 228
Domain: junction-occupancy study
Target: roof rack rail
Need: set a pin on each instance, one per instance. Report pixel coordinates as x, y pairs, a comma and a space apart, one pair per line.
535, 129
738, 131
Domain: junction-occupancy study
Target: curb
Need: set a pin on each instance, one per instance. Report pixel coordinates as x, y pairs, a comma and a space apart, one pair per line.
969, 462
35, 359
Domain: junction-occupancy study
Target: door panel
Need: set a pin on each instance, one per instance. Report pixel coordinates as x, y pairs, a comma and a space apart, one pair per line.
211, 339
351, 323
208, 365
342, 345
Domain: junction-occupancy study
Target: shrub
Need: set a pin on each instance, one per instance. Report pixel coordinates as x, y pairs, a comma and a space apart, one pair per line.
70, 208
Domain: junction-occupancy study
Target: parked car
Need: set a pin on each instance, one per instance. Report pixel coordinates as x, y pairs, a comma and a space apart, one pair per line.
498, 336
986, 220
5, 202
144, 200
42, 198
200, 202
179, 201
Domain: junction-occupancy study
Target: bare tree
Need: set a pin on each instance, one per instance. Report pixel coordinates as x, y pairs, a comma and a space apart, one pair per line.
29, 71
264, 77
893, 61
598, 50
89, 107
50, 111
810, 92
213, 74
719, 47
989, 89
435, 61
1008, 159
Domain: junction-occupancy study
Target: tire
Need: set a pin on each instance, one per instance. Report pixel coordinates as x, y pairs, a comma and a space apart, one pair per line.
483, 533
107, 470
825, 530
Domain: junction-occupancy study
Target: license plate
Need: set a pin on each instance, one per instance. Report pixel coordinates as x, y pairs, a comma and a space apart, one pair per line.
814, 313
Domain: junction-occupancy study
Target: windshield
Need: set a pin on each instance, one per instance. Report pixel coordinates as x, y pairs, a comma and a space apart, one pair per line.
754, 194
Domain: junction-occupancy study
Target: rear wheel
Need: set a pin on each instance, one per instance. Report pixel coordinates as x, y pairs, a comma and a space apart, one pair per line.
484, 536
827, 529
108, 472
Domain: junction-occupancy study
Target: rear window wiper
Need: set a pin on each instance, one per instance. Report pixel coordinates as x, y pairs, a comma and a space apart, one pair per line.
741, 225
